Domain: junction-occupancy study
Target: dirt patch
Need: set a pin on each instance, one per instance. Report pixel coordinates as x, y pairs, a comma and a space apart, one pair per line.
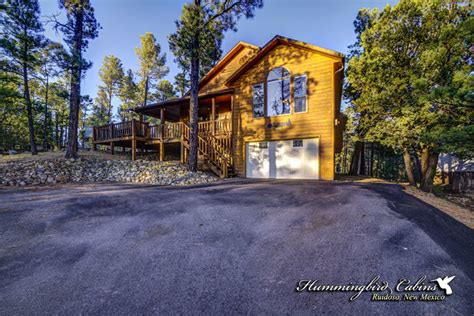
462, 214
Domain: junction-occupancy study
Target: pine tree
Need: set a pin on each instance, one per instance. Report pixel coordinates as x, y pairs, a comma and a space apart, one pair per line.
100, 114
152, 64
164, 91
181, 83
197, 43
111, 74
50, 59
20, 42
408, 80
129, 98
80, 27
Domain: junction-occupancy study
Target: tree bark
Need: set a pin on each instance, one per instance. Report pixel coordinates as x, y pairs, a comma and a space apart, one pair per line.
193, 104
358, 161
145, 99
109, 112
45, 127
29, 110
424, 161
429, 163
409, 166
61, 137
75, 99
371, 171
417, 166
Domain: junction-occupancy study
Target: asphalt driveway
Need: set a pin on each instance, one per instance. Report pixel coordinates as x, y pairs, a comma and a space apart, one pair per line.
235, 247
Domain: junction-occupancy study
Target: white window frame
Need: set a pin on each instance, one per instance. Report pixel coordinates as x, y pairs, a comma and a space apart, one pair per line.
305, 97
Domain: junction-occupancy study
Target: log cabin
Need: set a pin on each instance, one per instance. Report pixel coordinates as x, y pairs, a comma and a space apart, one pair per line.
269, 112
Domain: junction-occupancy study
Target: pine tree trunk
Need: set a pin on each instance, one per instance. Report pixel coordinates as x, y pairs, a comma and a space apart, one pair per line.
29, 110
409, 167
145, 99
61, 137
56, 129
417, 167
193, 104
429, 162
71, 150
424, 157
358, 160
362, 169
109, 112
45, 127
371, 171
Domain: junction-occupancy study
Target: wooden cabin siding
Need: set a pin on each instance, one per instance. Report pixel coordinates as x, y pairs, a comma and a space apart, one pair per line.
318, 121
218, 82
339, 129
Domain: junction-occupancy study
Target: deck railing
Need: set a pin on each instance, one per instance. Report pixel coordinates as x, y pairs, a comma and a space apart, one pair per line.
121, 130
220, 127
167, 131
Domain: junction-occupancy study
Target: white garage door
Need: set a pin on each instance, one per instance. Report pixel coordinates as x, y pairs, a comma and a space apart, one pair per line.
286, 159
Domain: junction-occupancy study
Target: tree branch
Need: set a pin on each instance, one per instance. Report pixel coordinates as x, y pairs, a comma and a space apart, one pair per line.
219, 14
54, 20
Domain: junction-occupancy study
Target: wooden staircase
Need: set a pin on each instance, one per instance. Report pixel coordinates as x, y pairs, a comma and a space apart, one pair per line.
214, 151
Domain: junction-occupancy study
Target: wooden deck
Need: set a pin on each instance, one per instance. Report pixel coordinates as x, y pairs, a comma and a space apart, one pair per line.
215, 141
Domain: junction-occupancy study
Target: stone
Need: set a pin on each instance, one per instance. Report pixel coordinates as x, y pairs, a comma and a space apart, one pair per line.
89, 170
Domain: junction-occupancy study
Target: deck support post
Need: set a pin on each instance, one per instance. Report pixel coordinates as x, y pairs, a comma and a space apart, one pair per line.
134, 149
134, 141
162, 150
213, 116
112, 148
162, 136
94, 138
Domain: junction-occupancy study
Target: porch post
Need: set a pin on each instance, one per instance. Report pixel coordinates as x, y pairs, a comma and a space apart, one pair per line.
134, 149
94, 138
162, 127
134, 141
213, 116
231, 122
112, 148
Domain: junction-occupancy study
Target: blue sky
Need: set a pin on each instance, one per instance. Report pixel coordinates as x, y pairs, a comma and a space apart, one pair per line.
326, 23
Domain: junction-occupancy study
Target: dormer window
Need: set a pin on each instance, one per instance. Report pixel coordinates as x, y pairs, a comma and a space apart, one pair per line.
278, 92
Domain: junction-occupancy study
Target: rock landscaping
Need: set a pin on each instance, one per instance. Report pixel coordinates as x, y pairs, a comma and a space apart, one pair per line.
87, 170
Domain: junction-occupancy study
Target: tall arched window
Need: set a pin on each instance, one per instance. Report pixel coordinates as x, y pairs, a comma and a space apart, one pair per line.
278, 92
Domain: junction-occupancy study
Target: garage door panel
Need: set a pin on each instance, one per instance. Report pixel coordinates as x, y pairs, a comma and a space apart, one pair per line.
311, 157
286, 159
257, 161
289, 160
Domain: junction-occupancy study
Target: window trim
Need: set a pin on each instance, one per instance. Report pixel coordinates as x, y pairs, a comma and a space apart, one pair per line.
297, 140
264, 101
306, 95
290, 101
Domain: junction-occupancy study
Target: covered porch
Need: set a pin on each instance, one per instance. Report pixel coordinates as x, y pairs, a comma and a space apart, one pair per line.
216, 106
172, 131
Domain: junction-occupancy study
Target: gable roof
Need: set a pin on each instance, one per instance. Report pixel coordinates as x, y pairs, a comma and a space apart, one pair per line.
275, 41
225, 61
